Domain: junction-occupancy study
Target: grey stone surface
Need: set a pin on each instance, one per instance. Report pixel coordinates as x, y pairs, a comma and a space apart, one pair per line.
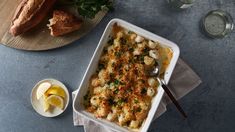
211, 107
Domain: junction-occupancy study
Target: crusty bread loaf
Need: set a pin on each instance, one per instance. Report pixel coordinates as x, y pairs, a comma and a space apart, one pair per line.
63, 23
29, 14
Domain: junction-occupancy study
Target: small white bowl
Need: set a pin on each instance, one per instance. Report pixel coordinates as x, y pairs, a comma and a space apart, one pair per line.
37, 104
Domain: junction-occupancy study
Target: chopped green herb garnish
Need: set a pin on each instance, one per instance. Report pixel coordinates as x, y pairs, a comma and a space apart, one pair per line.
131, 49
142, 80
110, 42
105, 50
138, 109
132, 60
111, 75
116, 91
88, 8
86, 97
136, 101
141, 58
122, 100
120, 66
146, 51
118, 54
122, 83
111, 101
116, 82
109, 82
113, 64
101, 66
123, 41
143, 91
129, 90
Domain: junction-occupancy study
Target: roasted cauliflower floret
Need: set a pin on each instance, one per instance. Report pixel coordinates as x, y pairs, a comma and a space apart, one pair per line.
95, 82
139, 39
148, 60
95, 100
152, 44
134, 124
154, 54
150, 92
152, 82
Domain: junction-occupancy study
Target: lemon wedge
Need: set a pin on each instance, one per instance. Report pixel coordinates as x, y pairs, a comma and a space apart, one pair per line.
56, 90
42, 88
46, 105
56, 101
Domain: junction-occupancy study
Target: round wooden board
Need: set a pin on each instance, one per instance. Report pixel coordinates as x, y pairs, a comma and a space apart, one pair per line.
38, 38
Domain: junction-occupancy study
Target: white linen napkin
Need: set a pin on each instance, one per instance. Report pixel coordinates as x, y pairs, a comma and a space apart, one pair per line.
183, 80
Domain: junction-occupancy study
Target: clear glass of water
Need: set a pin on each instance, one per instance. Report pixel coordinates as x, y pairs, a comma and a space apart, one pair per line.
181, 4
217, 24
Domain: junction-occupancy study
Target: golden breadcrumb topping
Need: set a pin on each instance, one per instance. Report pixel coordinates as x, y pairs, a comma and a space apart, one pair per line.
121, 91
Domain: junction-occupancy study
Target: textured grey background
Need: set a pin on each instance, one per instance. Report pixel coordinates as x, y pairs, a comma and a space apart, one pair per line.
211, 107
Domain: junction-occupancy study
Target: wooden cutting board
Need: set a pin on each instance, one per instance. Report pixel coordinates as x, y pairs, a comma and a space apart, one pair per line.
38, 38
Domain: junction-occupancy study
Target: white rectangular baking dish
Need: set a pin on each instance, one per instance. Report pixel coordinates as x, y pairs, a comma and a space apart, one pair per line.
78, 101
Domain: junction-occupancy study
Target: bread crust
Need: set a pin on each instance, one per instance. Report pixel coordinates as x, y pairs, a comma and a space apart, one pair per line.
28, 14
63, 22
